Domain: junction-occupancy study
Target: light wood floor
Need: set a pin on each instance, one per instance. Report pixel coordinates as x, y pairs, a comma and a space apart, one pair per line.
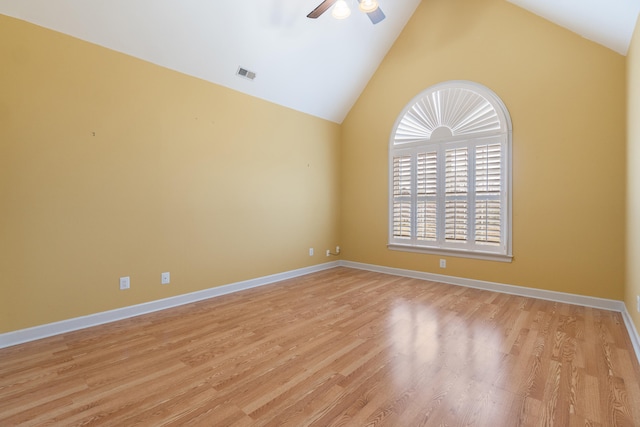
341, 347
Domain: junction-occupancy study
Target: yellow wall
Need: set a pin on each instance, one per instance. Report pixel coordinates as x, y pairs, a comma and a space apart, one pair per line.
633, 174
111, 166
566, 97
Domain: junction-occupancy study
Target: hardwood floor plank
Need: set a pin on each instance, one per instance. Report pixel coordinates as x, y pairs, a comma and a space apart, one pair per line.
341, 347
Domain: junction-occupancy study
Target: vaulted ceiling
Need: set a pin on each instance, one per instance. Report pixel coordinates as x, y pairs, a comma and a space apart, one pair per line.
607, 22
317, 66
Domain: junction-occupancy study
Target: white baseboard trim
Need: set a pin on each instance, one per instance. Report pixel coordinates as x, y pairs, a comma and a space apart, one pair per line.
9, 339
43, 331
633, 332
606, 304
602, 303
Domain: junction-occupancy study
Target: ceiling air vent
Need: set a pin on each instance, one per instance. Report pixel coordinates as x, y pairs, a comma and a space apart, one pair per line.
246, 73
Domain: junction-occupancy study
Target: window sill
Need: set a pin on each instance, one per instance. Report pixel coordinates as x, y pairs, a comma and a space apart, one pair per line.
487, 256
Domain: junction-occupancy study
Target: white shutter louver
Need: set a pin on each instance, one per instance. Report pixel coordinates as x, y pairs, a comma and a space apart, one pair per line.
488, 222
427, 187
402, 197
456, 194
488, 215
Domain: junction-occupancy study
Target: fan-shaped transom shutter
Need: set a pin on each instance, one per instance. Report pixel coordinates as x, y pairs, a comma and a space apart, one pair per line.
450, 173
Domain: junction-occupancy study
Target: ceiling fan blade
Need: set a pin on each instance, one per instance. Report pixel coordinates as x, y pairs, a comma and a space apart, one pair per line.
322, 8
376, 16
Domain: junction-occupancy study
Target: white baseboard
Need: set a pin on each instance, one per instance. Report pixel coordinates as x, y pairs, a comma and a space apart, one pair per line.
633, 332
602, 303
43, 331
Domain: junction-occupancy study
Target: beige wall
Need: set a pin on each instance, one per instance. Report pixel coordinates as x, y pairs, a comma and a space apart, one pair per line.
111, 166
566, 97
633, 174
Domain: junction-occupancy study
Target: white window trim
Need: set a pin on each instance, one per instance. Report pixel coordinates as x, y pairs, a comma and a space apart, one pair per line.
504, 132
487, 256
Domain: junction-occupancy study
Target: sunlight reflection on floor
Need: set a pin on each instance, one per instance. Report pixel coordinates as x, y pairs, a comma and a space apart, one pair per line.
421, 335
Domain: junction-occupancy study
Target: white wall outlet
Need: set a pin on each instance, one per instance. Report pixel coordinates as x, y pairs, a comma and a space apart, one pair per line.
165, 278
443, 263
337, 249
328, 252
310, 251
125, 283
638, 303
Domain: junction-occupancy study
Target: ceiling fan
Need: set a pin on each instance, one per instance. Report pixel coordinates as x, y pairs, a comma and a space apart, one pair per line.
341, 10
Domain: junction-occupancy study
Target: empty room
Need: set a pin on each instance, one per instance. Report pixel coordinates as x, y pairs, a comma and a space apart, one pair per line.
320, 213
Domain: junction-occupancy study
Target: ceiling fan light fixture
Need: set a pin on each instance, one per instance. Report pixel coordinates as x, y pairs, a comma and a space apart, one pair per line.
341, 10
368, 6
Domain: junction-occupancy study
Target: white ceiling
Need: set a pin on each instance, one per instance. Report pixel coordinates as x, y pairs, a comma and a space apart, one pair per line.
317, 66
607, 22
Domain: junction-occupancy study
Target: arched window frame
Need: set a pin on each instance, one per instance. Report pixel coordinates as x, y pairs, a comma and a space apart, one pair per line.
453, 122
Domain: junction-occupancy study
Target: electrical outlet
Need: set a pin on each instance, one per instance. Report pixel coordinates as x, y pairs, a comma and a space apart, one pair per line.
443, 263
328, 252
165, 279
310, 251
337, 249
638, 303
125, 283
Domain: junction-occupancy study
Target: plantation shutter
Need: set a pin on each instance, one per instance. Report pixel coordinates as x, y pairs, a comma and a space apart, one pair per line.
450, 174
427, 190
402, 206
456, 194
488, 195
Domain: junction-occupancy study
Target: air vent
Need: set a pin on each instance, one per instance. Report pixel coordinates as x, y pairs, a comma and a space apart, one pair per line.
242, 72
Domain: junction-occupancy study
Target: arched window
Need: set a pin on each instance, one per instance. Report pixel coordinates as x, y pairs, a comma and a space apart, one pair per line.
450, 174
